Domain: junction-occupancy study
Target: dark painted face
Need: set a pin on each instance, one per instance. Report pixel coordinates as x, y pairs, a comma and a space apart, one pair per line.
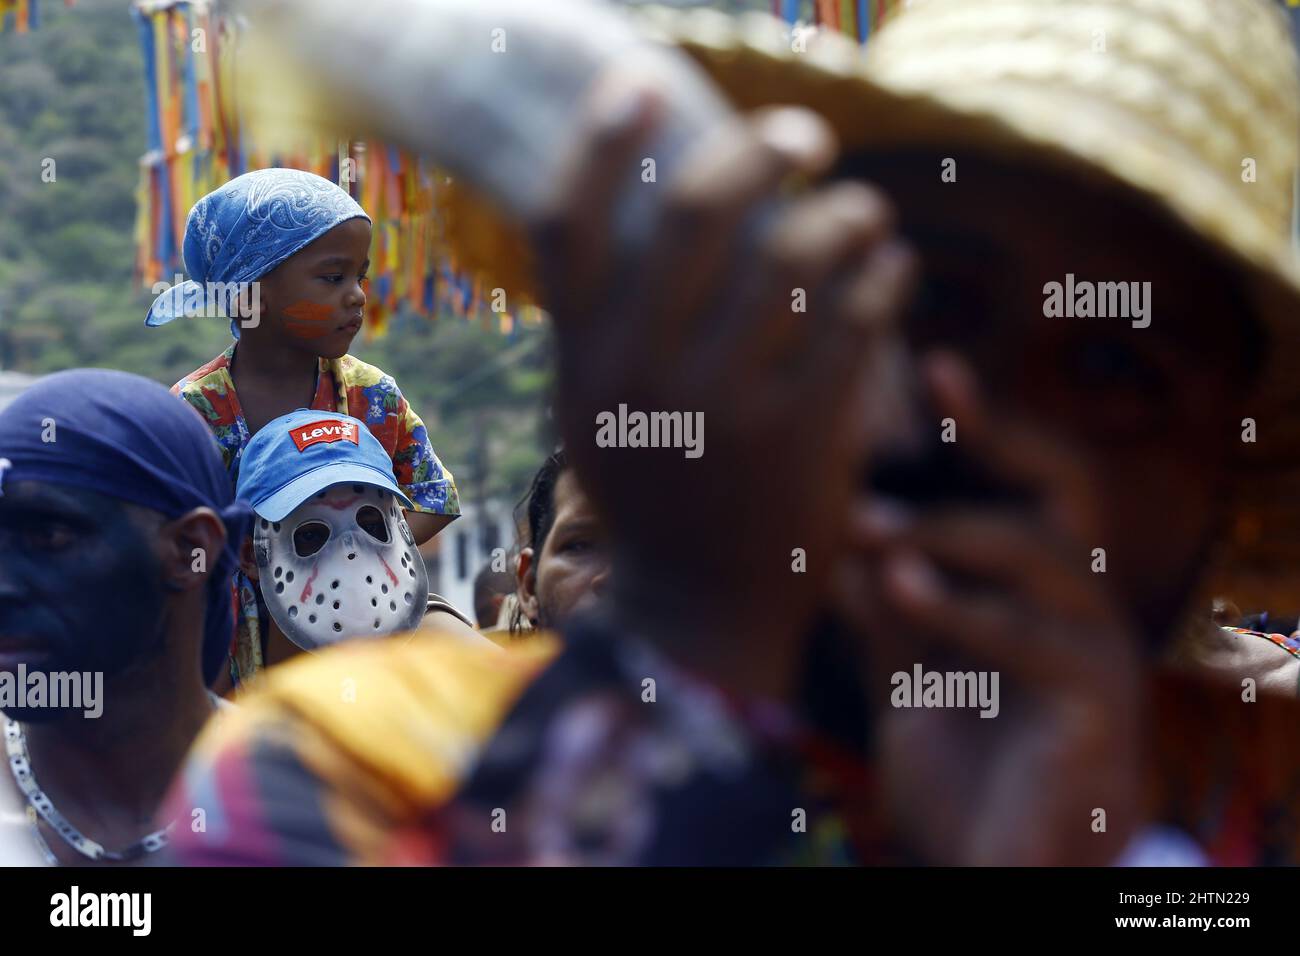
80, 582
1152, 406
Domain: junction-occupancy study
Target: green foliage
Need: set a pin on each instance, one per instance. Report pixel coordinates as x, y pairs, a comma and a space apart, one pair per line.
73, 91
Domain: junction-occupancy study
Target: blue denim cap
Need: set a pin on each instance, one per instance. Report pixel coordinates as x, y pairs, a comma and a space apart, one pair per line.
303, 453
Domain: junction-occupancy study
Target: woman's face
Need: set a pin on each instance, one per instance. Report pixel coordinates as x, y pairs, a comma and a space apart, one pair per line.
571, 571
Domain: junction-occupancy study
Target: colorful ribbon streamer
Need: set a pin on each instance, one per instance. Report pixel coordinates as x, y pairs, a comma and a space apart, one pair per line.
26, 14
853, 18
196, 142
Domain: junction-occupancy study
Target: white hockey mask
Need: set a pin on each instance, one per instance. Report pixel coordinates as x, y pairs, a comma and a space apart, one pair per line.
342, 564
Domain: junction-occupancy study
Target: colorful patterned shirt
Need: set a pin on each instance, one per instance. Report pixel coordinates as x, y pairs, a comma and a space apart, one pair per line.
1288, 642
347, 386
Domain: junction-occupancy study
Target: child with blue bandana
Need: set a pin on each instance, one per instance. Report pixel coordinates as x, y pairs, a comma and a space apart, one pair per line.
283, 253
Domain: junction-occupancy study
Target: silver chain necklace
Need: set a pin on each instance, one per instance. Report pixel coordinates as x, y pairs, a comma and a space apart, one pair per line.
20, 765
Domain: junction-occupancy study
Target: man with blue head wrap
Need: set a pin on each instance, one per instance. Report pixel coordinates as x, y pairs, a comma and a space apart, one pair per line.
118, 539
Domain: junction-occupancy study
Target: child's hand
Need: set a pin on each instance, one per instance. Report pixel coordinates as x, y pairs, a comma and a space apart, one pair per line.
425, 525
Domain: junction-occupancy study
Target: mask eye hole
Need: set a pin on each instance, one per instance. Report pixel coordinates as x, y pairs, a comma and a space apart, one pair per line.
309, 537
373, 523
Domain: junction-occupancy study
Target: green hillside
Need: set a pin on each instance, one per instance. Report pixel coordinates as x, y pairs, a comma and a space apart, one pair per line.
73, 92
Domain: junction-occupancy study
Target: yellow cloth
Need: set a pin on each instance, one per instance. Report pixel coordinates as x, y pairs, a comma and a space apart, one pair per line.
388, 727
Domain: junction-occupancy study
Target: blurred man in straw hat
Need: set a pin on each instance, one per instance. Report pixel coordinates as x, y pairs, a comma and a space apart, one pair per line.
1055, 480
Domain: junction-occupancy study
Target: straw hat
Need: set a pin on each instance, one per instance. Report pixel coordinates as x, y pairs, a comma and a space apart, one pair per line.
1193, 104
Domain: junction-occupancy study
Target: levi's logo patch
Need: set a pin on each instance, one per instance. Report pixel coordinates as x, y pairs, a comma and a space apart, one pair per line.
314, 433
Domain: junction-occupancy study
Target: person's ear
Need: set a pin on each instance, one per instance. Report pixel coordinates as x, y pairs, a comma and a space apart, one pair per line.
264, 300
526, 584
191, 546
247, 560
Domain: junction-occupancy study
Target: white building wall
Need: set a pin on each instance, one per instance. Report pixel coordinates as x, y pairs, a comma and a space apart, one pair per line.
464, 547
12, 384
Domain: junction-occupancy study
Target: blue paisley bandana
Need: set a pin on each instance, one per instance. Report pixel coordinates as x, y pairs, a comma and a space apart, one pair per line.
240, 232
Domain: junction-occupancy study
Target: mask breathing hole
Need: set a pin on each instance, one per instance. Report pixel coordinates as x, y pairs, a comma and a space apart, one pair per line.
407, 596
279, 587
384, 588
352, 557
392, 605
376, 624
312, 618
374, 602
289, 577
278, 570
338, 626
293, 611
336, 605
320, 599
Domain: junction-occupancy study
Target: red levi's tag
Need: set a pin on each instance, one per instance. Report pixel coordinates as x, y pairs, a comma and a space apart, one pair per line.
327, 431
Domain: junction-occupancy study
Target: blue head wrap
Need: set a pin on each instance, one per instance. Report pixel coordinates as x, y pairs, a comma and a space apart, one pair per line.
240, 232
129, 438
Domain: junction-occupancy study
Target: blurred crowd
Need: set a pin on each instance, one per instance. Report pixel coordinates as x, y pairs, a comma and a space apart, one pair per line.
989, 333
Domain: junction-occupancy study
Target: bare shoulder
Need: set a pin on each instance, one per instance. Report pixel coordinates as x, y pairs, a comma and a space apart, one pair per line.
444, 626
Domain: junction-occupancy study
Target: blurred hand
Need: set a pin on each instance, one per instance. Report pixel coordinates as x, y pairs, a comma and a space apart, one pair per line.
1012, 591
706, 319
